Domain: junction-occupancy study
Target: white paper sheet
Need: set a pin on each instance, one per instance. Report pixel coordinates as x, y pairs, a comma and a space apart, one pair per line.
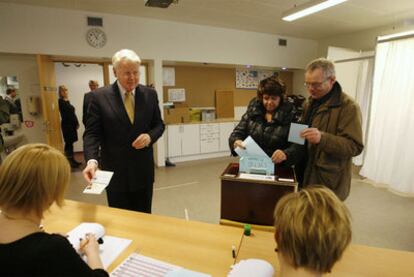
99, 182
294, 133
139, 265
252, 267
252, 149
257, 177
109, 250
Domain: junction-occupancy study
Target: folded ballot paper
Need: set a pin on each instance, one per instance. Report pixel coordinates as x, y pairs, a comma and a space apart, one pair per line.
99, 182
110, 247
253, 160
139, 265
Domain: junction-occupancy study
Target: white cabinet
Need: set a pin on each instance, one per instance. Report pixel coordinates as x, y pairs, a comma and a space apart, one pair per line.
183, 139
190, 140
198, 141
209, 138
225, 131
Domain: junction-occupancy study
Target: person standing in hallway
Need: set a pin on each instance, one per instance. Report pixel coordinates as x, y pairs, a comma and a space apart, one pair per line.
334, 135
69, 124
124, 120
93, 85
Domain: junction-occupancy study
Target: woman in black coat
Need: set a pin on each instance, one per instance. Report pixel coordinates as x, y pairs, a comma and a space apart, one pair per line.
69, 123
267, 120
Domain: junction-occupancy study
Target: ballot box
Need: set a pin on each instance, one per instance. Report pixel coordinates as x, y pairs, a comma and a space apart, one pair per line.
246, 199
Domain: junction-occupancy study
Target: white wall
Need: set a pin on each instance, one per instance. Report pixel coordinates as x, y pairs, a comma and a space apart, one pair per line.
62, 32
40, 30
298, 81
25, 68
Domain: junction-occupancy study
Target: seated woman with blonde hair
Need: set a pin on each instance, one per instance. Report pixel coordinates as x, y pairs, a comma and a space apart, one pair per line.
32, 178
313, 229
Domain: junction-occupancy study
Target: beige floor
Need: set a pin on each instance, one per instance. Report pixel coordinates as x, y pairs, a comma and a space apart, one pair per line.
379, 217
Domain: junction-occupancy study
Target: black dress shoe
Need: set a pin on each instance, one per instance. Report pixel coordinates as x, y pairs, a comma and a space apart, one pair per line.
169, 163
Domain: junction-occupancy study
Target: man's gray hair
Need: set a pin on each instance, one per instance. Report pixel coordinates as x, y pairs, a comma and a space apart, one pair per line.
325, 65
127, 55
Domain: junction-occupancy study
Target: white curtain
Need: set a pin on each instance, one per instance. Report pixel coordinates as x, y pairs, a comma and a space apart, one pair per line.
363, 98
389, 156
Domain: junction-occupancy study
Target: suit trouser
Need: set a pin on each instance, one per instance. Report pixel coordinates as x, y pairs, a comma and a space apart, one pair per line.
139, 200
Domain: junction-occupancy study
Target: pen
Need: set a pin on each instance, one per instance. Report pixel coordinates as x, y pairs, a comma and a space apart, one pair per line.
82, 243
233, 251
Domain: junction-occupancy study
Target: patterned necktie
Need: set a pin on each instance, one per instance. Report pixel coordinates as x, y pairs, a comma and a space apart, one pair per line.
129, 106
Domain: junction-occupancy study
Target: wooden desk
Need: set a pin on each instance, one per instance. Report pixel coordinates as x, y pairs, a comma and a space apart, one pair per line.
194, 245
357, 261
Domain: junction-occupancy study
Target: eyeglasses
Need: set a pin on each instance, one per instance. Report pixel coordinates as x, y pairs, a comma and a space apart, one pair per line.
314, 85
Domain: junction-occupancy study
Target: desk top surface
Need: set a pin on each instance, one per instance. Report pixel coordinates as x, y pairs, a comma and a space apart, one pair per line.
194, 245
358, 260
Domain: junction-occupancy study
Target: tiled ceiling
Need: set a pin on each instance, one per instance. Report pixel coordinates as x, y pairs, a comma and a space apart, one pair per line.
255, 15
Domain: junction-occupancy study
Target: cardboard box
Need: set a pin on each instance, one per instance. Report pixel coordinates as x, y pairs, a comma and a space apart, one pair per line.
176, 115
180, 105
195, 115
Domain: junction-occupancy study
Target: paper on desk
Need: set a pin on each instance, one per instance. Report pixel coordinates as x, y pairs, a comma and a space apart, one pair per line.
109, 250
81, 230
257, 177
252, 149
99, 182
139, 265
294, 133
252, 267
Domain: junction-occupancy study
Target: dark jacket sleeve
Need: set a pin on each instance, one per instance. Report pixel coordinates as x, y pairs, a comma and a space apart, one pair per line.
157, 125
68, 262
93, 130
240, 132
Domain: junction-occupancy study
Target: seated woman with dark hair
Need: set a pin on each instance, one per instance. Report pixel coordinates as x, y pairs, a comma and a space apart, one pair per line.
32, 178
267, 120
313, 229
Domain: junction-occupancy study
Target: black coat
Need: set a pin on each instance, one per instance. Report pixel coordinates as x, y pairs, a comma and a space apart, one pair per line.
86, 101
109, 127
270, 136
69, 121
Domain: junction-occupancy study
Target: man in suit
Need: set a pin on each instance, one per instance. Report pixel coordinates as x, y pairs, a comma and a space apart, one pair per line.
124, 119
93, 85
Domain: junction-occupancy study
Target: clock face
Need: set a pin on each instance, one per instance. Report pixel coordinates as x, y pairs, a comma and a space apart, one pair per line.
96, 38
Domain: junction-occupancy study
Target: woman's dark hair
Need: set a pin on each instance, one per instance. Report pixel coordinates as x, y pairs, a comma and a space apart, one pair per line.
271, 86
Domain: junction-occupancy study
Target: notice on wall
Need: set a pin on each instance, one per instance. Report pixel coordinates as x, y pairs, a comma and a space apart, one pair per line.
168, 76
176, 95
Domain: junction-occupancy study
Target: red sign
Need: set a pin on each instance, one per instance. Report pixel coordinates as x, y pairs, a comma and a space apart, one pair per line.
29, 123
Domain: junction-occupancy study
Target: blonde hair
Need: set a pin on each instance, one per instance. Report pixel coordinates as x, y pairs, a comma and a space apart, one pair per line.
313, 228
60, 90
32, 178
125, 54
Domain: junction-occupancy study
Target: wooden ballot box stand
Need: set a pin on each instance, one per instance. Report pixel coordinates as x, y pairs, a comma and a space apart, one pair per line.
253, 201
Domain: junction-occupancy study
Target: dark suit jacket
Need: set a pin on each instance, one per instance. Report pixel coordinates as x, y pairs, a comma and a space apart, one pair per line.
108, 126
69, 121
86, 101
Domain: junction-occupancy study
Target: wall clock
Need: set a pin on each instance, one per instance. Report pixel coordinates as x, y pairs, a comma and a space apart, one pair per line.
96, 37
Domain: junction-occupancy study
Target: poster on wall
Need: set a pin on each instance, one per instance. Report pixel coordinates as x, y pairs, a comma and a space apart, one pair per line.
249, 79
176, 95
168, 76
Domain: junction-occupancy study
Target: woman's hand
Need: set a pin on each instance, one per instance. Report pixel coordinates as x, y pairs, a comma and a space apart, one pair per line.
238, 143
279, 156
90, 247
